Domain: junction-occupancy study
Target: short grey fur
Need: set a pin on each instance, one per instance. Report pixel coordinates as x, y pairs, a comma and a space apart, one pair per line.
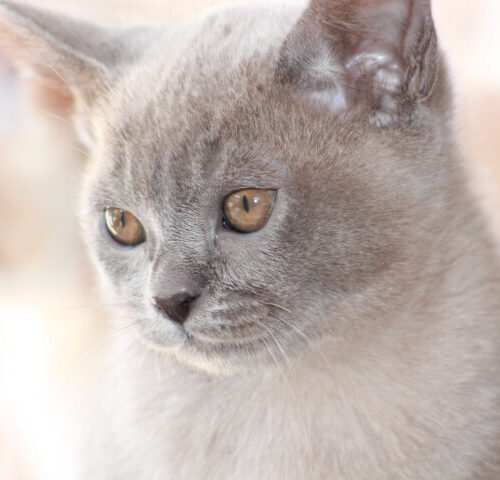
357, 334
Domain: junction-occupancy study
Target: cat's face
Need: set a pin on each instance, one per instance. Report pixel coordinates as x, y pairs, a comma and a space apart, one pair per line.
172, 152
184, 129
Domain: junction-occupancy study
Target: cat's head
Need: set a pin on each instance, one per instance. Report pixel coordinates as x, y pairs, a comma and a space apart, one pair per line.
261, 178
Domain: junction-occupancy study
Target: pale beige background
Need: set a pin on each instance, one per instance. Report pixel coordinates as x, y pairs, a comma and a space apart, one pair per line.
49, 313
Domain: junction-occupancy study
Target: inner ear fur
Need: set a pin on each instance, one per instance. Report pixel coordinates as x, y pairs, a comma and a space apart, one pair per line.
68, 53
383, 53
76, 63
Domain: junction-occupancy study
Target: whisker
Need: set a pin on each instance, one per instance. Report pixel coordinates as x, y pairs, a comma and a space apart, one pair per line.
56, 117
273, 357
309, 345
278, 344
294, 327
281, 307
58, 74
89, 307
71, 147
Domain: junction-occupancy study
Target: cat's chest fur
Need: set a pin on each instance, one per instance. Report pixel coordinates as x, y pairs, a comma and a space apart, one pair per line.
377, 416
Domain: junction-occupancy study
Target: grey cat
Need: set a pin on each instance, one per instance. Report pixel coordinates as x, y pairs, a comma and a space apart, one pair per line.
276, 198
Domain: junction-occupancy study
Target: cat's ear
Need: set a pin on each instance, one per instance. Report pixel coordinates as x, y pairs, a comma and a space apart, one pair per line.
69, 54
381, 52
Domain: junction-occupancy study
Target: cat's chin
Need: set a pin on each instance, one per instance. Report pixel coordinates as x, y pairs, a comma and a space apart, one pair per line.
224, 359
217, 358
229, 351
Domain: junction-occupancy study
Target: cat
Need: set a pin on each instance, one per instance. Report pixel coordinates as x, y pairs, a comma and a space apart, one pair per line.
276, 199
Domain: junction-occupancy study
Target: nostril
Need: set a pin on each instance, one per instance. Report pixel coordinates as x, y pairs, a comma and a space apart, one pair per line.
177, 306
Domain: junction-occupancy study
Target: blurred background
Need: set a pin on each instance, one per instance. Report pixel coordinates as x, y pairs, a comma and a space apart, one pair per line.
50, 313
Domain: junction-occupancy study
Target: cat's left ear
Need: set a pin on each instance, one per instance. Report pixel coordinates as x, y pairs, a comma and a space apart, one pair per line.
67, 53
380, 52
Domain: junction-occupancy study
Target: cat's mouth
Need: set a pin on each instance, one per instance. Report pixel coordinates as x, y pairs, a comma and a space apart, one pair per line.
233, 334
224, 337
235, 344
242, 321
243, 332
225, 350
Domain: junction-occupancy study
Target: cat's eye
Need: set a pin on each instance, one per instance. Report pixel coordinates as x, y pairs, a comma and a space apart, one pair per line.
124, 227
248, 210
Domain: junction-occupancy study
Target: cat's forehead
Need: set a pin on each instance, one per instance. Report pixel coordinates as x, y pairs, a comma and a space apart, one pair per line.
199, 105
206, 63
189, 141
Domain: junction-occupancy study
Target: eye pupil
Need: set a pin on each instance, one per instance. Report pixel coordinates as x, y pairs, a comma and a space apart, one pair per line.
246, 206
123, 218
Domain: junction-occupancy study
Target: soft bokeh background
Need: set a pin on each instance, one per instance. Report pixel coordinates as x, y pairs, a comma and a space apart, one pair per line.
50, 314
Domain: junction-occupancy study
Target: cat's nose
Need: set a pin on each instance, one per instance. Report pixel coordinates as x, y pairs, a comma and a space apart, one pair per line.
177, 306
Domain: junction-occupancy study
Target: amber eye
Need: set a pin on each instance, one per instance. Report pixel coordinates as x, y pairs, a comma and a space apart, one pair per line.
248, 210
124, 227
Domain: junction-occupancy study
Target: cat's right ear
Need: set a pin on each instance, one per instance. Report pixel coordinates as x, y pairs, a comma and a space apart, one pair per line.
74, 56
382, 54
